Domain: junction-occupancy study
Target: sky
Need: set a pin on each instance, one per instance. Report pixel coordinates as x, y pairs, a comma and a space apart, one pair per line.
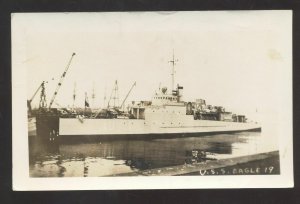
241, 60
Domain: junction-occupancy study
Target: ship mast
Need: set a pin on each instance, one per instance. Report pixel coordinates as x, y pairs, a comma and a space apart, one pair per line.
104, 99
114, 95
93, 95
173, 62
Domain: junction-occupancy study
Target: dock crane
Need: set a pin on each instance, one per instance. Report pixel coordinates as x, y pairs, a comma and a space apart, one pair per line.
134, 84
60, 81
41, 86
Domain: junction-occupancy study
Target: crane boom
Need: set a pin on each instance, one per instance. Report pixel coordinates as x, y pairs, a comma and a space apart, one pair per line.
60, 81
128, 94
36, 91
30, 100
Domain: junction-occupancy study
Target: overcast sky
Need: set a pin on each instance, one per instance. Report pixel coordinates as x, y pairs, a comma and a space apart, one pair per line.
234, 59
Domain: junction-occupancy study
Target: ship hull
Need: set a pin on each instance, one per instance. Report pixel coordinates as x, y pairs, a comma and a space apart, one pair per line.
145, 136
137, 128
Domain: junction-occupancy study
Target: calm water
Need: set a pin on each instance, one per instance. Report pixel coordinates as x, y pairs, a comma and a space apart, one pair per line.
104, 158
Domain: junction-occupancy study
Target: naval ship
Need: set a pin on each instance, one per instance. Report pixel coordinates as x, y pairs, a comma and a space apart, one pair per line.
166, 114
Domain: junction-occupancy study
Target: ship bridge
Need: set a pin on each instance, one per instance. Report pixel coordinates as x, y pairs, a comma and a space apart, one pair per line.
162, 103
162, 98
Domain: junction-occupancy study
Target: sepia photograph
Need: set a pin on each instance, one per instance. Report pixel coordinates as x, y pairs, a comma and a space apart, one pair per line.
152, 100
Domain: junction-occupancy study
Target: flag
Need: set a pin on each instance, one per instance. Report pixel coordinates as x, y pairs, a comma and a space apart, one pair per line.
86, 102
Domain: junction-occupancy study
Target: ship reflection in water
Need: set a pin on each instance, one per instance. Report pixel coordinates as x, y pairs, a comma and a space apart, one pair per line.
112, 157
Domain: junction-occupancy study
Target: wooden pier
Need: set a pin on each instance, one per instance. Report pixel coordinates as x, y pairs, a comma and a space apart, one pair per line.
257, 164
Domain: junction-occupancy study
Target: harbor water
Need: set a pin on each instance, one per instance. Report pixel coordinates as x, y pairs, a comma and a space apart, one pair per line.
118, 156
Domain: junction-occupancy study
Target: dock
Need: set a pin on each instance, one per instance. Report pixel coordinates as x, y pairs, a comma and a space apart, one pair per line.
262, 163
